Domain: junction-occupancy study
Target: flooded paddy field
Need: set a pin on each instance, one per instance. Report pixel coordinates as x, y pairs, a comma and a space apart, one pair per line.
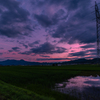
82, 87
42, 79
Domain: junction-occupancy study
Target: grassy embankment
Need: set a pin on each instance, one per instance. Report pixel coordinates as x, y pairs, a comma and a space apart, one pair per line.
40, 80
10, 92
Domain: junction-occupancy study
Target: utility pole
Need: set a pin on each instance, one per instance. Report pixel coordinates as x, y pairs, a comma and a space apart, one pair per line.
97, 29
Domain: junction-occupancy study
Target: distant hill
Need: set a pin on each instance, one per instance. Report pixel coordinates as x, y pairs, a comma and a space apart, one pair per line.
22, 62
18, 62
83, 61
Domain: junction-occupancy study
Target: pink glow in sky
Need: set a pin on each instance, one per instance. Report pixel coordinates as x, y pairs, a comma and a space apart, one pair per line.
47, 30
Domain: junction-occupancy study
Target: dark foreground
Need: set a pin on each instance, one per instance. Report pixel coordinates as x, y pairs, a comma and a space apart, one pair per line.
37, 82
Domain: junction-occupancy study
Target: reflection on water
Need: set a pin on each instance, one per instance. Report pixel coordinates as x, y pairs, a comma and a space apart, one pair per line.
83, 87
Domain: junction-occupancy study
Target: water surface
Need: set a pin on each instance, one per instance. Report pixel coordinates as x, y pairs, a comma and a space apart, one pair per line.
82, 87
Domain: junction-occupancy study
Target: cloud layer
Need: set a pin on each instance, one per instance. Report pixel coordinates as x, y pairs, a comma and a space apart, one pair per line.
13, 19
45, 48
47, 29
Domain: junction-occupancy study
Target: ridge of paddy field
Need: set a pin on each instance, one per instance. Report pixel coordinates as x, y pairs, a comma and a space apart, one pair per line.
10, 92
41, 79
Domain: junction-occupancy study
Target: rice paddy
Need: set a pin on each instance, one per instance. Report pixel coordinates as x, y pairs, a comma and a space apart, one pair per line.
41, 80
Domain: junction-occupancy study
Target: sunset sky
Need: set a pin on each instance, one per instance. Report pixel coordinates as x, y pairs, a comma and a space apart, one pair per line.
47, 30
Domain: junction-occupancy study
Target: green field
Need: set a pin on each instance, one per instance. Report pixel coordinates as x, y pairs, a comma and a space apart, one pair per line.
37, 82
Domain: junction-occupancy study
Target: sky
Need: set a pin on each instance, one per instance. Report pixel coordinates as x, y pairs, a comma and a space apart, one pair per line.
47, 30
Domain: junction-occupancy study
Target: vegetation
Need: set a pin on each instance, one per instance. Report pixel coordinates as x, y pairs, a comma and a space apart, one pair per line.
41, 80
10, 92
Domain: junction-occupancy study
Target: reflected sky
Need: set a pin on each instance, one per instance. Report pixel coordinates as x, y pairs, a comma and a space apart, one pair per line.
81, 87
81, 82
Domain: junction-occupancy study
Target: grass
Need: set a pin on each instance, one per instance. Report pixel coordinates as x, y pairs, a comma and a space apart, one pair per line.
10, 92
41, 79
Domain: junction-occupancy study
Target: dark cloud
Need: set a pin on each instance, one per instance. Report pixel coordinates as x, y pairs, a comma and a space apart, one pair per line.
10, 50
60, 50
71, 23
12, 17
9, 32
26, 46
34, 43
41, 59
1, 53
41, 3
57, 2
47, 21
81, 53
71, 33
93, 52
14, 12
26, 52
9, 4
54, 41
88, 46
43, 20
45, 48
90, 52
70, 5
58, 16
44, 56
75, 4
83, 38
16, 49
60, 32
79, 26
29, 28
